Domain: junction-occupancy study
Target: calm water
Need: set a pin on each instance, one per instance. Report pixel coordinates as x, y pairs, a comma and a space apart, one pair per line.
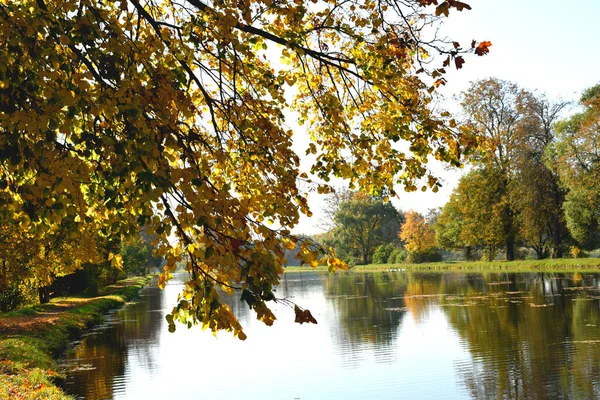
380, 336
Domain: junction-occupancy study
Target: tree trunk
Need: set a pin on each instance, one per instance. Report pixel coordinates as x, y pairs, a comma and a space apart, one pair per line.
3, 279
558, 197
44, 294
510, 248
490, 252
468, 253
509, 228
557, 249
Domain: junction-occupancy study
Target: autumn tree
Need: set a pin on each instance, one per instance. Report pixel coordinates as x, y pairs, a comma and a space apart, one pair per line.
172, 116
494, 109
536, 194
473, 218
578, 163
418, 237
16, 250
518, 131
362, 224
30, 261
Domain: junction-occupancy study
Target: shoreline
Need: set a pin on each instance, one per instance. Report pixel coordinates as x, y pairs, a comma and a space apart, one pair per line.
546, 265
33, 338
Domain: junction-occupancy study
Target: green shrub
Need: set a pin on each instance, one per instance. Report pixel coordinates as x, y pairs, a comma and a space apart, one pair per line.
430, 256
397, 256
382, 253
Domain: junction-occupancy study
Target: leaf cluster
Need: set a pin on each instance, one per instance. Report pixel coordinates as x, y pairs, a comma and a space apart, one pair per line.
172, 116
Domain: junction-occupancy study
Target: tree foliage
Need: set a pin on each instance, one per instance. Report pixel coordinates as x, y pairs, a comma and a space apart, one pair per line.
418, 237
172, 116
383, 252
516, 128
34, 261
578, 163
536, 194
473, 217
137, 255
363, 224
494, 109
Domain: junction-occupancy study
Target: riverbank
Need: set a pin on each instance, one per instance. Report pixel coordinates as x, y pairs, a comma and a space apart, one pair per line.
32, 338
548, 265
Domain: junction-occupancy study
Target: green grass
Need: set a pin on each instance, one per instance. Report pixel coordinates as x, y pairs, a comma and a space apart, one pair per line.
33, 337
562, 264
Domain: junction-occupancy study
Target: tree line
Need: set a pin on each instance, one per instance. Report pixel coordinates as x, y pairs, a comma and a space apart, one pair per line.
66, 260
533, 183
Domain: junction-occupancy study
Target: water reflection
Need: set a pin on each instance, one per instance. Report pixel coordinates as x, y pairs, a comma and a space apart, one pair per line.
369, 310
383, 335
127, 338
536, 340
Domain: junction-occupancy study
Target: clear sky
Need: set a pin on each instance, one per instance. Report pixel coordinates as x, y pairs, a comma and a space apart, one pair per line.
549, 46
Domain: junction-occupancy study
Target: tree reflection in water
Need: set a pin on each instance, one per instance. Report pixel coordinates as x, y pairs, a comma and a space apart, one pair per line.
494, 335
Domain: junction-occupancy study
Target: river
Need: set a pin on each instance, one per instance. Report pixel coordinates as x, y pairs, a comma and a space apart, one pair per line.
394, 335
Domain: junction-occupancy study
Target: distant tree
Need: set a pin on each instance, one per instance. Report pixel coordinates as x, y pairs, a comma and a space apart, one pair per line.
536, 195
531, 197
432, 215
332, 204
418, 237
364, 223
474, 216
578, 164
494, 109
448, 228
138, 254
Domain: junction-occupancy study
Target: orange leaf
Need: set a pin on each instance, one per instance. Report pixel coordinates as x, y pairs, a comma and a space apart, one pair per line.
439, 82
483, 49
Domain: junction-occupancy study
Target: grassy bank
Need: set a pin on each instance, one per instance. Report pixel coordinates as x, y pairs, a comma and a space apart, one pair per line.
557, 265
31, 338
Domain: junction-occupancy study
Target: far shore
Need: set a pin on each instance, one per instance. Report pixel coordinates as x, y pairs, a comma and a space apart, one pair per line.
546, 265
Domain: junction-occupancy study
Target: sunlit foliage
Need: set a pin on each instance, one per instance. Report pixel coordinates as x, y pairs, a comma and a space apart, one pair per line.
418, 237
473, 217
578, 163
173, 116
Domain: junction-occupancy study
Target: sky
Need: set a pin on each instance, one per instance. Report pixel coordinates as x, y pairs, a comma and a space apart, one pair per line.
548, 46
